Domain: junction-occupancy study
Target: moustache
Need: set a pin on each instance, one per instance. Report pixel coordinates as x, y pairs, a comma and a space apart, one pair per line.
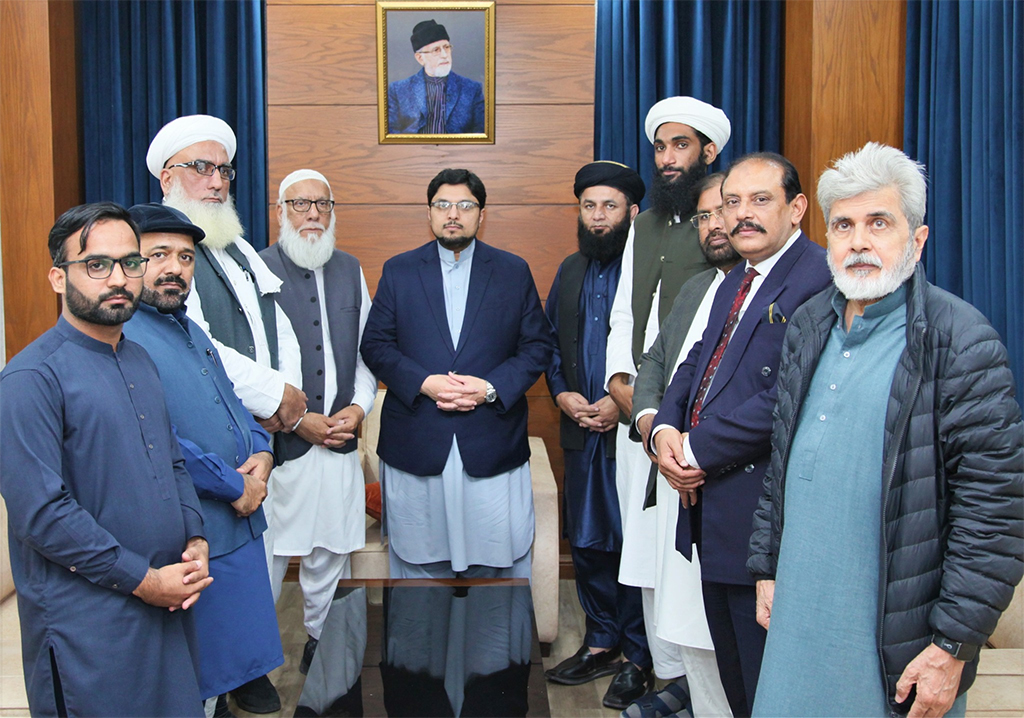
453, 225
862, 258
171, 279
120, 292
747, 224
715, 234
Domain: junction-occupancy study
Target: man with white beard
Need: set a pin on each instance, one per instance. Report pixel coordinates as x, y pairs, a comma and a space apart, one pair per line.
319, 494
232, 300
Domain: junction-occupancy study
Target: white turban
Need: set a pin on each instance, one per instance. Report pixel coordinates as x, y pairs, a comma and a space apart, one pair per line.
183, 132
701, 116
299, 176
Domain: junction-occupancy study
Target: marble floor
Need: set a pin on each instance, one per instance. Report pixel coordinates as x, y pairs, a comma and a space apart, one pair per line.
998, 693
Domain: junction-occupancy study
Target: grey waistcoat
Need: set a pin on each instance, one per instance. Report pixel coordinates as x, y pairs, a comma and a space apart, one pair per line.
669, 252
298, 298
222, 309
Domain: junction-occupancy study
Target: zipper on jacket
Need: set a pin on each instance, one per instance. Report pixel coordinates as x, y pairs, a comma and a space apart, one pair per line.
898, 438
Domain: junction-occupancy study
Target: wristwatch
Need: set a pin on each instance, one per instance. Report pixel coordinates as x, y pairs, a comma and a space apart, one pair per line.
491, 396
960, 651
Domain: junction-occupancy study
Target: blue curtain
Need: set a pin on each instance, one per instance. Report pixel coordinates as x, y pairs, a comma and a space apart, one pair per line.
964, 119
146, 62
726, 53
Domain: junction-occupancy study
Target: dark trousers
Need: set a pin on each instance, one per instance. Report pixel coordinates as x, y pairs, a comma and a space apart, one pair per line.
615, 613
739, 641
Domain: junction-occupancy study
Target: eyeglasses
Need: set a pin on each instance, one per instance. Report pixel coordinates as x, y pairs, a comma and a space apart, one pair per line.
463, 206
446, 48
323, 206
703, 218
133, 266
207, 168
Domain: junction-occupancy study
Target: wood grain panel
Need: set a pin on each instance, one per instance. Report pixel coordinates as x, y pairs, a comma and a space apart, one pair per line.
537, 152
27, 180
321, 55
849, 61
326, 55
67, 174
543, 235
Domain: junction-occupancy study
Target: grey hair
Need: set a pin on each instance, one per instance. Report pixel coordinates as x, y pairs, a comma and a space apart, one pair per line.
873, 167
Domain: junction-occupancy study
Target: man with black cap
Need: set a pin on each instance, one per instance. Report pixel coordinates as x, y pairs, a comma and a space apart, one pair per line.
578, 306
662, 253
435, 101
236, 624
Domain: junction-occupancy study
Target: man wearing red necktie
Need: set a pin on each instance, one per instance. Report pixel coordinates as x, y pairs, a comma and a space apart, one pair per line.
712, 434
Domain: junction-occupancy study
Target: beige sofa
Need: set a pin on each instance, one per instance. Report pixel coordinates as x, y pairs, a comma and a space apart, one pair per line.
372, 561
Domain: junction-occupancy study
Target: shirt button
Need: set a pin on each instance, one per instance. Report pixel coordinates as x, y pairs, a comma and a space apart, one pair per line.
142, 416
600, 276
318, 347
316, 322
319, 397
663, 258
204, 371
821, 418
150, 447
229, 427
239, 310
312, 299
598, 296
115, 585
846, 354
319, 372
216, 400
832, 387
73, 569
307, 275
190, 345
131, 386
251, 349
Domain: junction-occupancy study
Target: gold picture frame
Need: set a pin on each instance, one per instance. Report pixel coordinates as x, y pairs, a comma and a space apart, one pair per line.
402, 72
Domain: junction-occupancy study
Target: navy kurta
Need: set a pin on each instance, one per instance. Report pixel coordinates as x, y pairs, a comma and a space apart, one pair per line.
236, 620
591, 504
96, 493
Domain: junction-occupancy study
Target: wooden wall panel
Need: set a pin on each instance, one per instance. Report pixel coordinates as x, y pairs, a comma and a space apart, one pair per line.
844, 77
547, 233
38, 153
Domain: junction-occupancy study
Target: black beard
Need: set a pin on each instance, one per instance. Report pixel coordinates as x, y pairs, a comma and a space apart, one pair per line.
720, 256
94, 312
677, 198
166, 299
602, 247
455, 244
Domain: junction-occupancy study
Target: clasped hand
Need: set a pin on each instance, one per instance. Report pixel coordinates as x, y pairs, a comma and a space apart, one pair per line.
601, 416
672, 463
455, 392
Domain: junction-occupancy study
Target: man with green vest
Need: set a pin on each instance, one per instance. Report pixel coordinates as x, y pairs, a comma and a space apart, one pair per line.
663, 252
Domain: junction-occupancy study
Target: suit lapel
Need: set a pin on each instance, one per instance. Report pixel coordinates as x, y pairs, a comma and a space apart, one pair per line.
433, 288
419, 94
479, 278
451, 96
767, 293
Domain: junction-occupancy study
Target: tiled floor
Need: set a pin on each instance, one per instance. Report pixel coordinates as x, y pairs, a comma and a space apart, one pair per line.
998, 693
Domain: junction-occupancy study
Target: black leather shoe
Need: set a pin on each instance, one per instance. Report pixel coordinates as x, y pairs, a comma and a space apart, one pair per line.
584, 666
307, 655
629, 684
257, 696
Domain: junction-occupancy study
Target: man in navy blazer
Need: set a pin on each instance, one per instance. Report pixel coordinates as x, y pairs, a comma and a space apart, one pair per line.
435, 100
457, 334
712, 433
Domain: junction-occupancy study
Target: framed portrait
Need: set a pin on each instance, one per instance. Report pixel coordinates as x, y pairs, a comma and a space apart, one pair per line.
435, 72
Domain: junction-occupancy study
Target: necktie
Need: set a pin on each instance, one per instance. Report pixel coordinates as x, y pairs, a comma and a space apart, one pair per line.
723, 342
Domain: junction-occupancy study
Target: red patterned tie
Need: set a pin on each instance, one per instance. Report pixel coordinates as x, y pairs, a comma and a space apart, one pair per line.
723, 342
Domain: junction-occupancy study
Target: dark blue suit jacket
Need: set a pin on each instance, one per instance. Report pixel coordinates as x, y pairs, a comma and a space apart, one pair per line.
407, 105
732, 442
505, 339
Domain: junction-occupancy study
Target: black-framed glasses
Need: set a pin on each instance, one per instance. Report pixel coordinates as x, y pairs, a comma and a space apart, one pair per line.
133, 266
323, 206
699, 220
207, 168
463, 206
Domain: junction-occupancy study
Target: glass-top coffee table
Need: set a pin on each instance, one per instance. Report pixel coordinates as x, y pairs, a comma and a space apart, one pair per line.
461, 648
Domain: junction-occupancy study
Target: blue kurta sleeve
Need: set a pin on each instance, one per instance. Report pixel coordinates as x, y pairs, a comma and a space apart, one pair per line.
260, 437
41, 511
556, 380
211, 477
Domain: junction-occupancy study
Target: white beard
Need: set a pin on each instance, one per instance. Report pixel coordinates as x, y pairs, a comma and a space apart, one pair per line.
307, 253
219, 220
860, 288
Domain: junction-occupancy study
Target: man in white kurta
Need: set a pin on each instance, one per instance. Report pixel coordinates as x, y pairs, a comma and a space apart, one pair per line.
662, 253
320, 499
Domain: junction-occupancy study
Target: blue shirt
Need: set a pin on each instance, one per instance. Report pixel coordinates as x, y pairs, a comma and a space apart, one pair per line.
214, 430
96, 493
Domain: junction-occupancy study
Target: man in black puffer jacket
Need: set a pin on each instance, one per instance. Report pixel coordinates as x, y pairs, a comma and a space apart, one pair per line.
897, 472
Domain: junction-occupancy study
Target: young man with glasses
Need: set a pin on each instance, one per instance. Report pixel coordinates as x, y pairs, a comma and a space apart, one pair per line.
233, 298
435, 100
457, 334
106, 529
320, 494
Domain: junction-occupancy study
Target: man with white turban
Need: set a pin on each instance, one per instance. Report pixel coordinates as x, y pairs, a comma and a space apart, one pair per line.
318, 489
232, 299
662, 252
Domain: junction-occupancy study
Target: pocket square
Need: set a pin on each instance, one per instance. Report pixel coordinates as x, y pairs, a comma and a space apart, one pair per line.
775, 315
